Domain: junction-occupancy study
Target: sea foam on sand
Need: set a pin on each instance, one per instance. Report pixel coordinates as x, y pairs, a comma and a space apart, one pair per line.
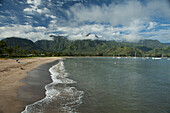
59, 96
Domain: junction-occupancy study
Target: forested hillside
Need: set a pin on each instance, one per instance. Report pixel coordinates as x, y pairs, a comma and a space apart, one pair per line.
60, 46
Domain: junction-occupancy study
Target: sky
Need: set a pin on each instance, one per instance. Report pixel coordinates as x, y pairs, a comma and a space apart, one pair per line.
120, 20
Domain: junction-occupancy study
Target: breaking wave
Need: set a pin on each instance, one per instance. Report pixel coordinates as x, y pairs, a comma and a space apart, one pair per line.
60, 97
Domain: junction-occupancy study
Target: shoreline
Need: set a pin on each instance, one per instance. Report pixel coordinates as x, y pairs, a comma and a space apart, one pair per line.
37, 79
11, 74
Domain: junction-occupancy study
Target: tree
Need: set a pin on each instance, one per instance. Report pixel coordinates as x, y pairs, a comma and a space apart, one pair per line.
2, 44
10, 51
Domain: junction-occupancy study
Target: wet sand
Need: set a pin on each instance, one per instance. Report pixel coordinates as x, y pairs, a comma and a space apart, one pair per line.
11, 74
36, 81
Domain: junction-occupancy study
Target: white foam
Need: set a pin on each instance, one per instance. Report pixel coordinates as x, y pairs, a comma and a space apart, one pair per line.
54, 91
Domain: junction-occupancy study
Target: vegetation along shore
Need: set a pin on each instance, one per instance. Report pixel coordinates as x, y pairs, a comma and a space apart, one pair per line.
61, 46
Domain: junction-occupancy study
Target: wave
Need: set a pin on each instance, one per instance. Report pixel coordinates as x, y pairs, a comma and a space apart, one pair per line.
59, 96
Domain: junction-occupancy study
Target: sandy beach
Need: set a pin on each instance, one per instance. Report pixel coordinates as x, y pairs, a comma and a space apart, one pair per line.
11, 74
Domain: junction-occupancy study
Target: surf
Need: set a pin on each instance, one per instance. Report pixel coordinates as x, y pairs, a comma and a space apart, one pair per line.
59, 96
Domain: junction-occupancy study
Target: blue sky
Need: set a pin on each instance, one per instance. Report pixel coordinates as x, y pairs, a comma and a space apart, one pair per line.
121, 20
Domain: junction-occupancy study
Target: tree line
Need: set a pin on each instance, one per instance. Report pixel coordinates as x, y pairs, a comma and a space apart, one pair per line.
61, 46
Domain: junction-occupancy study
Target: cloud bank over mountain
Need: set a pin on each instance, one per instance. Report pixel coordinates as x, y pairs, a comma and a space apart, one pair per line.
121, 20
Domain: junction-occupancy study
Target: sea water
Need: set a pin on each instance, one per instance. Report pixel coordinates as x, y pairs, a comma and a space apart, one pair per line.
107, 85
60, 98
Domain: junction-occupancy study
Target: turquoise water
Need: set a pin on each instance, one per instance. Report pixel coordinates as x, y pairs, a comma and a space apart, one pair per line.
121, 85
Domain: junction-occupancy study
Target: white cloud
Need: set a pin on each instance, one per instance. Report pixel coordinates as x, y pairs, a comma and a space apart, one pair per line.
132, 38
122, 13
162, 35
104, 32
44, 10
165, 25
152, 25
116, 33
125, 20
29, 11
34, 2
159, 8
34, 8
161, 38
28, 16
24, 31
2, 17
158, 32
115, 14
51, 16
133, 15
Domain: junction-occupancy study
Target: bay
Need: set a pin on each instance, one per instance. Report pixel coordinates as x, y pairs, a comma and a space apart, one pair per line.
123, 85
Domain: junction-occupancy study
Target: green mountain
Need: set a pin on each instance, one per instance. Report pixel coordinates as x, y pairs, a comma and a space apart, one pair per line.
151, 43
22, 43
60, 45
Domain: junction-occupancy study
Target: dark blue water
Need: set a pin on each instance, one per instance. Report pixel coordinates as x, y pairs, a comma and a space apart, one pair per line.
121, 85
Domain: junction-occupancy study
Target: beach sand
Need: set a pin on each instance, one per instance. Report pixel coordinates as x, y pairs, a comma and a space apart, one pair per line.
11, 74
37, 79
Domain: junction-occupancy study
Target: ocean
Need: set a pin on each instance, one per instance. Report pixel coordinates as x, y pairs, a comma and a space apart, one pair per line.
106, 85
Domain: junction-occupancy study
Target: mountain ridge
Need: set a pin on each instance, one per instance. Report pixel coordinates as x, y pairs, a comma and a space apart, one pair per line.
94, 47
